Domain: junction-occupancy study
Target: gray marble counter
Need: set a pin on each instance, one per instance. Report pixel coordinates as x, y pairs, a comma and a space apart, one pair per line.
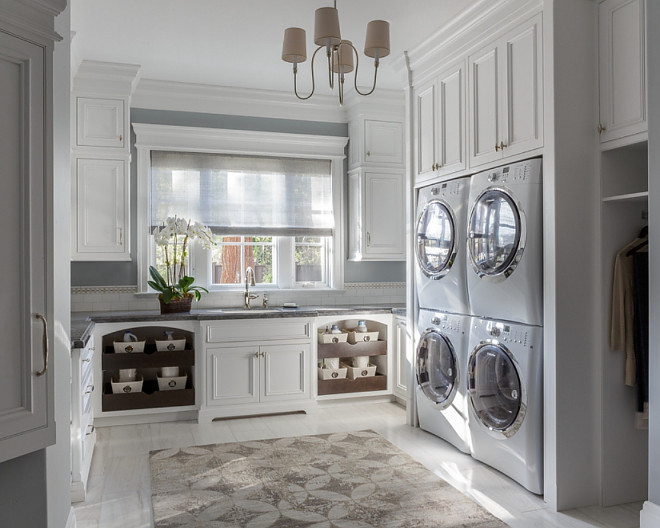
83, 324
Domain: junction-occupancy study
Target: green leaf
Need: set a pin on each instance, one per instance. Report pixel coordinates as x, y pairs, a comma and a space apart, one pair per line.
168, 295
155, 286
185, 283
158, 278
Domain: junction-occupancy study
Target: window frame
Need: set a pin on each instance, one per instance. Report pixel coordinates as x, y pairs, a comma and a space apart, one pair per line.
242, 142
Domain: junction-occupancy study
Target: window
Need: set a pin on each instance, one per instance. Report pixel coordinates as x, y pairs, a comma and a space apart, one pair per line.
273, 202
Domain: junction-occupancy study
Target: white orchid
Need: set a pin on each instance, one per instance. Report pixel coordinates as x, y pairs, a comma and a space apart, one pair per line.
174, 235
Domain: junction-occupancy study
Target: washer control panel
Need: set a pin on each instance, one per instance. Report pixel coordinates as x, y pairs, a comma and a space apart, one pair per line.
447, 323
506, 334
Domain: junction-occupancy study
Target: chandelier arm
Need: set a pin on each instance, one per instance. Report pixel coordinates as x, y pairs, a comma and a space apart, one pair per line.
357, 66
295, 84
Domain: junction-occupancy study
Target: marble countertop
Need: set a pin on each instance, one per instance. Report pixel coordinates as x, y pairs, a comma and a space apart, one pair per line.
82, 324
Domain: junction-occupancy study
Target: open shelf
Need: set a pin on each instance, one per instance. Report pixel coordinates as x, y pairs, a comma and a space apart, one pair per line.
150, 358
149, 397
341, 386
346, 350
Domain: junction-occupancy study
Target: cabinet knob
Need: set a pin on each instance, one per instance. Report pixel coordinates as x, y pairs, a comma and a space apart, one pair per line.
121, 137
497, 147
368, 238
601, 128
502, 145
368, 153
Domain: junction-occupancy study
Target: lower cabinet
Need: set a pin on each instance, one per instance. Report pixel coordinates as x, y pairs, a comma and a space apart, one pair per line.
83, 435
402, 362
268, 373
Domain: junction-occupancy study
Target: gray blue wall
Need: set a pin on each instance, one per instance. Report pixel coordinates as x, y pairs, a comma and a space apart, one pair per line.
125, 273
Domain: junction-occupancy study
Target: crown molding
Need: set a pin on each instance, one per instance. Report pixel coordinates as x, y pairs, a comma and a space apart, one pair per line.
485, 17
385, 103
198, 139
106, 78
154, 94
32, 18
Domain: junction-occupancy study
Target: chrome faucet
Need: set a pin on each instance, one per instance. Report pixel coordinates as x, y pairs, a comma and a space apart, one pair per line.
249, 281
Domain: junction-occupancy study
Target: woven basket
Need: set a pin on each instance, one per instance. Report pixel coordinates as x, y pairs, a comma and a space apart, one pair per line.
182, 305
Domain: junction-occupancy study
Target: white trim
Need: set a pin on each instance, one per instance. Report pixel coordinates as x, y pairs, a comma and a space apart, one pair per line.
71, 519
216, 140
650, 515
106, 79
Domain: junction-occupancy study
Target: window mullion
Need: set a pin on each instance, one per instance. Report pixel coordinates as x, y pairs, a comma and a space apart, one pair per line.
286, 262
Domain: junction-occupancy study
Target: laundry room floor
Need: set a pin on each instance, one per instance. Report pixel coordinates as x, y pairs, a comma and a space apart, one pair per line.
119, 492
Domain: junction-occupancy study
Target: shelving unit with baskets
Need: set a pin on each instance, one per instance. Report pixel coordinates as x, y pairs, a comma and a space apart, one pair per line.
362, 380
148, 365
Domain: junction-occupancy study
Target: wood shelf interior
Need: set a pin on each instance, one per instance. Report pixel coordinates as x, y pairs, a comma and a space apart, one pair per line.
345, 385
346, 350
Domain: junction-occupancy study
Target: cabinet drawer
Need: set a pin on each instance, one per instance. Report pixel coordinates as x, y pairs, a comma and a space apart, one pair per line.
263, 330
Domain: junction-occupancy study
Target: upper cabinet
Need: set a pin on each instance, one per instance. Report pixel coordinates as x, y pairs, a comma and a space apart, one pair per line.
376, 181
101, 122
101, 160
622, 72
440, 124
505, 95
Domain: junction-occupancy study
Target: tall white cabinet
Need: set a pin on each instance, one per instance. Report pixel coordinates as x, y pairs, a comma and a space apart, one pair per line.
101, 161
26, 172
622, 72
376, 180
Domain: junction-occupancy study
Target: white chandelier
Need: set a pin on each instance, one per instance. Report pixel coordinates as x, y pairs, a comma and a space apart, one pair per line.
339, 52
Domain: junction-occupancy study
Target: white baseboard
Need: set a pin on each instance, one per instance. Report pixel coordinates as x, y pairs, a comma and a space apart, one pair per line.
650, 516
71, 521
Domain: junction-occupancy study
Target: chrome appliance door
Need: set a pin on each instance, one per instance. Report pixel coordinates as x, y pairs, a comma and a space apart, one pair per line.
435, 246
436, 368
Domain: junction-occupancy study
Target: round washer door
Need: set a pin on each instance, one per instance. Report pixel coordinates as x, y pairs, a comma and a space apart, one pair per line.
437, 375
495, 390
496, 235
435, 246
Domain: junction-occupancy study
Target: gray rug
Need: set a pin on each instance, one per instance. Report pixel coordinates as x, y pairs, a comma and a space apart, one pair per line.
342, 480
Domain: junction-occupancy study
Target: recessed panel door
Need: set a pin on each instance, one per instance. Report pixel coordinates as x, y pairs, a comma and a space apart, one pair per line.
284, 369
233, 375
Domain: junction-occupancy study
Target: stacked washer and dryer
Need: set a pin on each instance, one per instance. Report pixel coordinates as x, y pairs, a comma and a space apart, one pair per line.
479, 283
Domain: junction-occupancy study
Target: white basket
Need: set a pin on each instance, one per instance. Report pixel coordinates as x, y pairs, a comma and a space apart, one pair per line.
126, 387
128, 346
174, 383
332, 338
362, 337
360, 372
170, 344
329, 374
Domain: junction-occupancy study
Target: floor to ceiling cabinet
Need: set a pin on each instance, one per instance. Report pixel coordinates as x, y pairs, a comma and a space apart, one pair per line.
26, 381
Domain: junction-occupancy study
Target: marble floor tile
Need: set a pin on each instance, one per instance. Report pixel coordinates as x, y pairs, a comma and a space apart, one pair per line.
119, 488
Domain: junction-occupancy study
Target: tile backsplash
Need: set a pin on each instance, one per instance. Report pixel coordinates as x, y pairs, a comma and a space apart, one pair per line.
114, 298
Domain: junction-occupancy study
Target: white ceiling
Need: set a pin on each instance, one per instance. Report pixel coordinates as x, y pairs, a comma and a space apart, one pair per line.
238, 43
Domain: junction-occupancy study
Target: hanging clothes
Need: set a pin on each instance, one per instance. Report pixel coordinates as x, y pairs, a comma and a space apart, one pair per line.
629, 321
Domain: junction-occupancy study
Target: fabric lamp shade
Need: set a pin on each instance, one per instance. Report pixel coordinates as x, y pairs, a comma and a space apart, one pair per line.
377, 42
326, 27
343, 57
294, 47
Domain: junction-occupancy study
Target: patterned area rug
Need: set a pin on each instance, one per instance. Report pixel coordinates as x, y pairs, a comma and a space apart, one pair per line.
342, 480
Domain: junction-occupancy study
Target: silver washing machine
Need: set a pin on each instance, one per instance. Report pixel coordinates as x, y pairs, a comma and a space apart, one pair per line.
505, 395
440, 274
505, 243
440, 374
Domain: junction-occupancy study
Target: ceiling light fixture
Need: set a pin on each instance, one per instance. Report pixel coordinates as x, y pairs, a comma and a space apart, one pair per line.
339, 52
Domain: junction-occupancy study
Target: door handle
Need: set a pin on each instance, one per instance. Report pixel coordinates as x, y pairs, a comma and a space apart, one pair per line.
45, 344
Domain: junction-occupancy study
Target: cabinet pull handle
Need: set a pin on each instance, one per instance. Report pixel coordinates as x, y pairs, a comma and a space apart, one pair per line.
90, 431
86, 360
45, 344
257, 354
601, 128
502, 145
263, 354
90, 389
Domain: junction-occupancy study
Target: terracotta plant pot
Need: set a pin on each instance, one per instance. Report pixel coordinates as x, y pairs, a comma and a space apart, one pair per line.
182, 305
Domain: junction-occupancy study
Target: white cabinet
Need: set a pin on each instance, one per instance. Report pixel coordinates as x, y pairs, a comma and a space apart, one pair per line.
440, 124
402, 366
257, 366
26, 382
376, 209
83, 434
101, 122
622, 72
376, 141
100, 161
100, 212
505, 89
252, 374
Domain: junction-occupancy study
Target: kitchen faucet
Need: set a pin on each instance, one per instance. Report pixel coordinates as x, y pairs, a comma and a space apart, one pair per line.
249, 281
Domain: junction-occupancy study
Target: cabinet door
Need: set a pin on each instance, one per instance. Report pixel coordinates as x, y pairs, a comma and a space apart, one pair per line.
26, 386
232, 375
621, 49
425, 120
355, 218
101, 210
383, 142
285, 372
451, 122
100, 122
522, 90
485, 106
384, 214
402, 364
